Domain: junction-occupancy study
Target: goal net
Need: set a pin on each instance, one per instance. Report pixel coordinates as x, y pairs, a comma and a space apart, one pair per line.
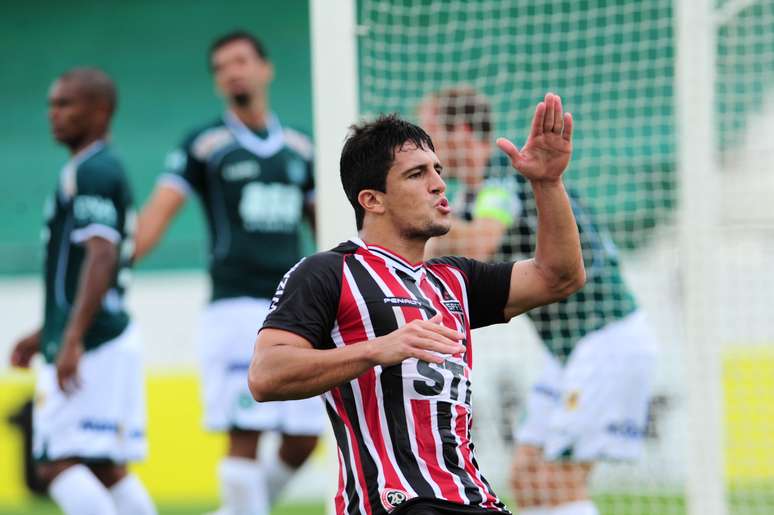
702, 274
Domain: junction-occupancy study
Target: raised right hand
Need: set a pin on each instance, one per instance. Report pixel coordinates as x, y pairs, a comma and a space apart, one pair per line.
427, 340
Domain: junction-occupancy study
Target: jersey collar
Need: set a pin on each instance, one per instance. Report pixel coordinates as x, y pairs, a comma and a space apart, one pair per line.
414, 270
247, 138
67, 178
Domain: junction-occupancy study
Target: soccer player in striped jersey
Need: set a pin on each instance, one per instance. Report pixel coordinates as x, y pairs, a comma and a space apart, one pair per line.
255, 182
590, 401
385, 338
89, 412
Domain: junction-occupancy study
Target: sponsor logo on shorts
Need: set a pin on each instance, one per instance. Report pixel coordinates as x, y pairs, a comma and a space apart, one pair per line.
626, 429
100, 426
393, 498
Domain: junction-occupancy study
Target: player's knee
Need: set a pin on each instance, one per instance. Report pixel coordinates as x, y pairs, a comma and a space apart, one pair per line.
109, 474
47, 472
523, 468
243, 444
295, 450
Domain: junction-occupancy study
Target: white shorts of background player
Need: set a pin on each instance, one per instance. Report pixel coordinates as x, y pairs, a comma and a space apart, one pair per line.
595, 407
104, 419
227, 334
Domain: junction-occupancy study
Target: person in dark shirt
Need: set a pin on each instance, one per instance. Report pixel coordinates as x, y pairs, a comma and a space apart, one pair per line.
89, 412
385, 338
254, 179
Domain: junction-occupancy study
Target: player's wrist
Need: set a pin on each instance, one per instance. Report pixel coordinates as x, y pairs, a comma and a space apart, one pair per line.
73, 339
370, 350
546, 182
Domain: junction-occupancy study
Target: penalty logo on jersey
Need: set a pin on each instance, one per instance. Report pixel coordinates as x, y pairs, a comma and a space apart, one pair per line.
393, 498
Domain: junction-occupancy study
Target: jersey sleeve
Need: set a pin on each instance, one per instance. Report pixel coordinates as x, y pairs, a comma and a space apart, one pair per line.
101, 201
183, 170
488, 286
307, 299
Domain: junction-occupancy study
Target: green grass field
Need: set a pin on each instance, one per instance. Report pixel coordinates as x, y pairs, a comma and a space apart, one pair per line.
759, 501
609, 505
48, 508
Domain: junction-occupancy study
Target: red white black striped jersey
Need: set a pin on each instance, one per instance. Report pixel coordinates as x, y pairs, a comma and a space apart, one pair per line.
402, 431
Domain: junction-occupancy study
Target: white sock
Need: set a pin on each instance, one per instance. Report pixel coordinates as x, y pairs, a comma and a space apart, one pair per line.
277, 474
535, 510
78, 492
575, 508
243, 487
131, 498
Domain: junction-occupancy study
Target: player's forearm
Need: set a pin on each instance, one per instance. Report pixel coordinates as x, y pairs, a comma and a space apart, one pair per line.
284, 372
97, 273
150, 229
558, 251
155, 218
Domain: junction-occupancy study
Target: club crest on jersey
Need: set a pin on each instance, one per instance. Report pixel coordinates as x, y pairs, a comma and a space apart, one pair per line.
455, 308
242, 170
393, 498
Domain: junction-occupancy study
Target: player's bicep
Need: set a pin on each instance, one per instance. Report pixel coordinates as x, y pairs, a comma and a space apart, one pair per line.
529, 289
269, 338
165, 202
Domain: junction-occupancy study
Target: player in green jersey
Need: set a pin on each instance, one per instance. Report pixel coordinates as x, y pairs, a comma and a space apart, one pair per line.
89, 414
254, 178
590, 401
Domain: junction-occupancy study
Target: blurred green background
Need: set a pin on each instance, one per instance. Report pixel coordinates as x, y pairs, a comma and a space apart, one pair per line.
157, 54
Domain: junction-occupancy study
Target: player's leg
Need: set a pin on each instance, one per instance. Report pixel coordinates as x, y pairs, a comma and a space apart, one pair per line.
129, 494
603, 411
532, 487
280, 467
301, 423
242, 482
227, 335
58, 441
550, 487
75, 489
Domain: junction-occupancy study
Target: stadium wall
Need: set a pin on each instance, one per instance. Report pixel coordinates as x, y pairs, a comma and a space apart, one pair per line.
157, 54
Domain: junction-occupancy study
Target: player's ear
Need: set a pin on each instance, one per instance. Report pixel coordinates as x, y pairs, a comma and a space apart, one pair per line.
372, 201
269, 71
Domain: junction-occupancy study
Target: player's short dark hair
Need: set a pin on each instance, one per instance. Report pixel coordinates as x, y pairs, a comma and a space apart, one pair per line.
369, 152
95, 84
237, 35
464, 105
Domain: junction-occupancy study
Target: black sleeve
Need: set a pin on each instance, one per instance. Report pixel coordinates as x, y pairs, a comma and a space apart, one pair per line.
488, 286
307, 299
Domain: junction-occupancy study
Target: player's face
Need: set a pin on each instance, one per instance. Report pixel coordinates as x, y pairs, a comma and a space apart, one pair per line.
415, 199
70, 113
240, 73
450, 145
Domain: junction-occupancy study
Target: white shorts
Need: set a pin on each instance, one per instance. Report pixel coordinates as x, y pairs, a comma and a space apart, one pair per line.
596, 406
227, 336
104, 419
